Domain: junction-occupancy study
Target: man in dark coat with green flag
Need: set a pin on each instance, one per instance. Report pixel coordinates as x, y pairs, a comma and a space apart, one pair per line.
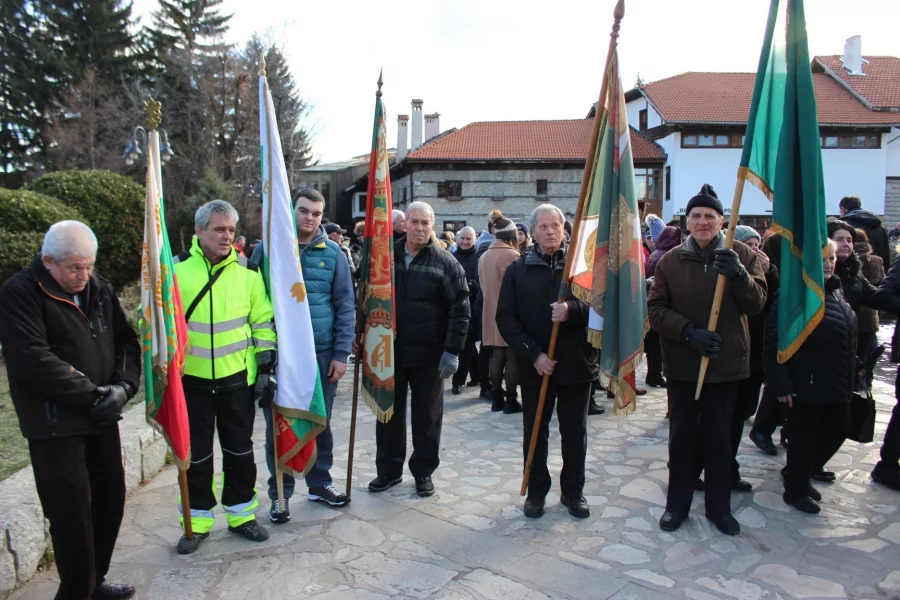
679, 305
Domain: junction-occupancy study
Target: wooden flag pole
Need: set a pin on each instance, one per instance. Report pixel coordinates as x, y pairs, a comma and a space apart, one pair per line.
720, 283
618, 13
185, 505
355, 401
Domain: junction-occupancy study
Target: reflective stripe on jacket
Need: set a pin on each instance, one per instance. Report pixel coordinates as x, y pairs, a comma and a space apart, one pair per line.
231, 323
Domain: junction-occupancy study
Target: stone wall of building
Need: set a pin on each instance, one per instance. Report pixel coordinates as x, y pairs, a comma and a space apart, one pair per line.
513, 191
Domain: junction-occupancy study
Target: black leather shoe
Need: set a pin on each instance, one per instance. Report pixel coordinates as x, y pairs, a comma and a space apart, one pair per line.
578, 507
534, 507
112, 591
803, 503
814, 493
424, 486
670, 521
497, 404
886, 474
823, 475
473, 383
512, 407
456, 390
726, 524
595, 409
741, 486
487, 395
382, 483
763, 442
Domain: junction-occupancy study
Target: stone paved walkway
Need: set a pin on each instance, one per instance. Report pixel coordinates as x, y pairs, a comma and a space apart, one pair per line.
471, 542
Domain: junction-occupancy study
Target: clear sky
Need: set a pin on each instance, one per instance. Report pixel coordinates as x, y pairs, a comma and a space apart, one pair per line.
497, 60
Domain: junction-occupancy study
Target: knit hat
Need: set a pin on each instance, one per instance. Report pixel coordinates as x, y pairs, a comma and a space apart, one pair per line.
707, 198
656, 226
523, 228
742, 233
504, 229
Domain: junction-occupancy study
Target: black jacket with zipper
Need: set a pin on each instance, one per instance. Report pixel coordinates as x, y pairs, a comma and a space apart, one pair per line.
432, 305
57, 353
823, 370
530, 286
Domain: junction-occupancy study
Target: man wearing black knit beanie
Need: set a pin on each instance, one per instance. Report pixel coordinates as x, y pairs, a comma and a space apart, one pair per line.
679, 306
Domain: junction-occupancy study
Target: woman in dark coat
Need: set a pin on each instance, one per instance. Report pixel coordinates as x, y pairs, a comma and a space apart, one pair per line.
667, 239
872, 268
816, 384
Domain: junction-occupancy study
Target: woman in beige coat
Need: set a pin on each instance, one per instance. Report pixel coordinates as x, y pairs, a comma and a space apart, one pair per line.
491, 267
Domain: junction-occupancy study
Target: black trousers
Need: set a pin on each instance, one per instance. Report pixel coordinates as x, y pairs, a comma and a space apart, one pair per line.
654, 358
426, 391
571, 410
81, 483
700, 435
504, 366
468, 363
745, 406
817, 433
770, 414
232, 414
484, 368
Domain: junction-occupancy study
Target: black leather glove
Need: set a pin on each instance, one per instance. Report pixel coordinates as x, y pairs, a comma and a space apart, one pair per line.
109, 408
728, 263
259, 391
706, 342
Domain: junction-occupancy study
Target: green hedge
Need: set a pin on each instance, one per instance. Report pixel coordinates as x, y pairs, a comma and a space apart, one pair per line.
24, 218
114, 205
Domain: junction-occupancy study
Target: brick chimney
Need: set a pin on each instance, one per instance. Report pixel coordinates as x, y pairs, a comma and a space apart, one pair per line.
432, 125
402, 136
416, 131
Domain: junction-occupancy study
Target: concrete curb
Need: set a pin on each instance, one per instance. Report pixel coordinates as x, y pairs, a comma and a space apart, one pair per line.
25, 534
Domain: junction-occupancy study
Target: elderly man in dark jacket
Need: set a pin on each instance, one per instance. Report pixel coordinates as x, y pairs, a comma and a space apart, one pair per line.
432, 321
73, 363
679, 304
526, 311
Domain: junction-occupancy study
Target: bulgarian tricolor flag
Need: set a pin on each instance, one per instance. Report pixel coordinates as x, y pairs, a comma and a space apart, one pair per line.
163, 330
298, 410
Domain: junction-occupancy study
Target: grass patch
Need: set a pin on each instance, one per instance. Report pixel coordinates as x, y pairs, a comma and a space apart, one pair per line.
13, 447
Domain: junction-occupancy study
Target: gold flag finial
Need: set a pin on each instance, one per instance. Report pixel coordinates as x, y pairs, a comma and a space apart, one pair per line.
262, 64
153, 108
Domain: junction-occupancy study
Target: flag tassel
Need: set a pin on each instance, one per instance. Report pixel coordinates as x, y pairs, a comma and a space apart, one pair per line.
720, 281
618, 14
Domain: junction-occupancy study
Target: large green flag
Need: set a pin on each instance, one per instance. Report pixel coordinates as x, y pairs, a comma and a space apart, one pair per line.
783, 158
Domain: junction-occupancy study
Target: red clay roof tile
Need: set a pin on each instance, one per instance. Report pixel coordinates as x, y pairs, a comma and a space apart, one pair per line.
563, 141
880, 85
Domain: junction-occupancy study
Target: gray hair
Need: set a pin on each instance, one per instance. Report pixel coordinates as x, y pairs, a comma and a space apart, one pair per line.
69, 238
204, 213
833, 245
543, 208
467, 229
419, 205
396, 214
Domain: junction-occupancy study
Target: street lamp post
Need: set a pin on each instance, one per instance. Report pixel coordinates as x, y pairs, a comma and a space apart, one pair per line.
137, 146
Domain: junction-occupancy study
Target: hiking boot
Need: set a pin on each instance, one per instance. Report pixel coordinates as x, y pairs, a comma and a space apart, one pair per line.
279, 514
113, 591
189, 546
534, 507
512, 407
763, 442
595, 409
424, 486
886, 474
251, 530
329, 495
578, 507
456, 390
381, 483
802, 503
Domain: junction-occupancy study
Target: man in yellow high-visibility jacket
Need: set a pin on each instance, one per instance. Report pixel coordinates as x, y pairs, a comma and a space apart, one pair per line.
232, 347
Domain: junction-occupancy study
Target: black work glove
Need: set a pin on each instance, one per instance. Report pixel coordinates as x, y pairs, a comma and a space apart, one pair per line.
259, 391
706, 342
728, 263
109, 408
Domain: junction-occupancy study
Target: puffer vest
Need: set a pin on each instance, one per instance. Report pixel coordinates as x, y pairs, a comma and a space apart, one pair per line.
318, 262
